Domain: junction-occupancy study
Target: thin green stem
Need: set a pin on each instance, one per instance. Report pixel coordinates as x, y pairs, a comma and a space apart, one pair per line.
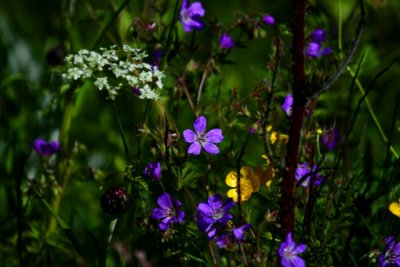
121, 132
340, 25
170, 36
371, 112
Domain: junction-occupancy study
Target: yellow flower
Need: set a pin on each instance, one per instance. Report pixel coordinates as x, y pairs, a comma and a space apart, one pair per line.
282, 138
249, 183
394, 208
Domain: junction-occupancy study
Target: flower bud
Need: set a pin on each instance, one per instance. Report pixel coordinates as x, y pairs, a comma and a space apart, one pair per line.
115, 201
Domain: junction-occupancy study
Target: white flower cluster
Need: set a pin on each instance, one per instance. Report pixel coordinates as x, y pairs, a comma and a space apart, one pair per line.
113, 69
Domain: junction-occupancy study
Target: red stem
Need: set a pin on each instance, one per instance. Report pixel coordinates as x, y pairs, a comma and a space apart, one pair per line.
288, 186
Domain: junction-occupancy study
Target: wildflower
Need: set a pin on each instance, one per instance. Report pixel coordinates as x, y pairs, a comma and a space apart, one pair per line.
200, 139
190, 16
391, 255
394, 208
318, 36
249, 183
113, 69
153, 170
269, 20
115, 201
282, 138
287, 105
331, 138
238, 232
315, 50
226, 42
44, 148
304, 173
169, 212
228, 240
288, 251
213, 215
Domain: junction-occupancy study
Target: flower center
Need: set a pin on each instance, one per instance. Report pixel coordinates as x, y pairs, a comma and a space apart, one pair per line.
217, 214
201, 138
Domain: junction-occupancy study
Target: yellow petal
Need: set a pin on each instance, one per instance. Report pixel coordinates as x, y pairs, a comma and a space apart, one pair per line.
273, 137
394, 208
244, 194
246, 172
268, 128
283, 139
231, 179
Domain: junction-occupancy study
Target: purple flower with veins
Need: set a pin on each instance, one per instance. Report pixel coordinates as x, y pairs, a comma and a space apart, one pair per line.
213, 215
226, 42
304, 173
169, 212
331, 138
202, 139
287, 105
44, 148
391, 256
238, 233
288, 251
153, 170
269, 20
190, 16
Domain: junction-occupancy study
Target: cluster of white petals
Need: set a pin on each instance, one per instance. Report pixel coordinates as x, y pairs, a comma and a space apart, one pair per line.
114, 69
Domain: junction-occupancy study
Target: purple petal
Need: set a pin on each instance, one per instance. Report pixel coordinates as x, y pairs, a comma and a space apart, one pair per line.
300, 248
285, 262
189, 24
214, 136
194, 148
318, 35
165, 201
180, 216
326, 51
158, 213
165, 224
269, 20
215, 201
204, 208
211, 148
226, 42
200, 125
297, 261
189, 136
196, 9
185, 4
239, 232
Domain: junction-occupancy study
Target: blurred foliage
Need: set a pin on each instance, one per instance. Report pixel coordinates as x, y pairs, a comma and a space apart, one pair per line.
350, 218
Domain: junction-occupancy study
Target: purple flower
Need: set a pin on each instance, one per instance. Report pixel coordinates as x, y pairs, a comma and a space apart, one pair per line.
288, 251
225, 241
213, 215
331, 138
44, 148
269, 20
238, 233
200, 139
168, 212
304, 174
226, 42
287, 105
228, 240
153, 170
315, 50
391, 256
190, 16
318, 36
